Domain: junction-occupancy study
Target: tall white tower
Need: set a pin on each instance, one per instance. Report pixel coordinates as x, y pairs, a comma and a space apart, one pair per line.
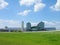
22, 26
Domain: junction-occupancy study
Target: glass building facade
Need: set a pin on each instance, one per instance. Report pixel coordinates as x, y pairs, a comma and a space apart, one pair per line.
39, 27
28, 26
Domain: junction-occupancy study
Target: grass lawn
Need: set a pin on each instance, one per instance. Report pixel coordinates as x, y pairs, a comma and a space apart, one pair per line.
34, 38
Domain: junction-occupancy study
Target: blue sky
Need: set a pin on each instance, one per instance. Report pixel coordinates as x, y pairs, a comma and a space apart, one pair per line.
12, 12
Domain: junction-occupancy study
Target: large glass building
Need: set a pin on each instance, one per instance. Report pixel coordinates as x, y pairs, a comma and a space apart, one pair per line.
40, 26
28, 26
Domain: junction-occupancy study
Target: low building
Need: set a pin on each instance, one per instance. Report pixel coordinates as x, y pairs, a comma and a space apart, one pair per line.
34, 28
4, 30
50, 28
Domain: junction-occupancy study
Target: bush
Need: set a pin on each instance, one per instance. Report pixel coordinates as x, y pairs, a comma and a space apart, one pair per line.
19, 31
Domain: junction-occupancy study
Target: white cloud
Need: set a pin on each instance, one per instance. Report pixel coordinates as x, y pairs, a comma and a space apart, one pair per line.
49, 24
56, 7
52, 24
38, 6
34, 24
24, 13
9, 23
3, 4
28, 2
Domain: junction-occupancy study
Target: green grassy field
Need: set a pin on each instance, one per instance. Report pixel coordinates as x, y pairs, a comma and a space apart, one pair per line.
34, 38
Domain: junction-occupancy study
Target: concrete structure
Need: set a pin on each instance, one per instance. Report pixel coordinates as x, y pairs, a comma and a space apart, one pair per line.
22, 26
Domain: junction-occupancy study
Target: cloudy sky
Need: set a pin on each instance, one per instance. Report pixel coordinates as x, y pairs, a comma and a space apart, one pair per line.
12, 12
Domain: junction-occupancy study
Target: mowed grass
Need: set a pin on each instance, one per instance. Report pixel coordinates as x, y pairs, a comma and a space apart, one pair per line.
31, 38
